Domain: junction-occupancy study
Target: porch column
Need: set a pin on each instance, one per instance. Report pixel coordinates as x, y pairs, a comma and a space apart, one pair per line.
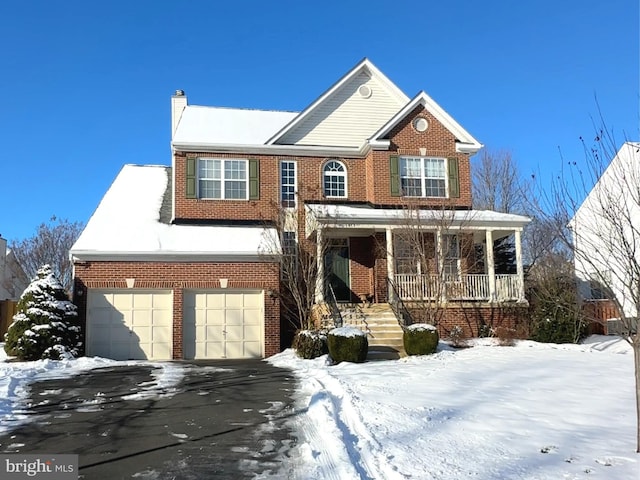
319, 266
390, 264
519, 266
491, 268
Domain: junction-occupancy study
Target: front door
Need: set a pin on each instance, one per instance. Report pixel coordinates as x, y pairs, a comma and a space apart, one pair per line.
337, 269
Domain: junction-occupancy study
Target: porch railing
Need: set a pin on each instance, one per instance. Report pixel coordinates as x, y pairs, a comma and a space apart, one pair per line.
332, 303
473, 287
399, 308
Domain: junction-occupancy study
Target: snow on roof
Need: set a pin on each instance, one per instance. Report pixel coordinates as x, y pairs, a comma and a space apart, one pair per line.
362, 214
228, 126
127, 222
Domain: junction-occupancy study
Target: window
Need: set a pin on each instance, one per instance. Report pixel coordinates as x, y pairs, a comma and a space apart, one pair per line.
335, 179
423, 177
288, 184
413, 251
451, 252
289, 264
222, 178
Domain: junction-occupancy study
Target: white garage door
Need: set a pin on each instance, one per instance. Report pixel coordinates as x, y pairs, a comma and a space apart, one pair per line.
223, 324
130, 324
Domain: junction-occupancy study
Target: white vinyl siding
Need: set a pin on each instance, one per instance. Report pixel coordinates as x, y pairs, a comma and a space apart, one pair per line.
347, 118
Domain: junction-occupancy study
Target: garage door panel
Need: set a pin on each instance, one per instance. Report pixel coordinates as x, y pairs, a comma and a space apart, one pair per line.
217, 323
121, 301
142, 301
130, 324
253, 349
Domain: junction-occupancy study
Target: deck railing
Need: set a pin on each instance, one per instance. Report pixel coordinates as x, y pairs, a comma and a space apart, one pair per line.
472, 287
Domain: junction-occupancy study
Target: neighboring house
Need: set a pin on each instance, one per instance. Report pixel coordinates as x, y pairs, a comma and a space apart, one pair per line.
13, 281
172, 263
606, 236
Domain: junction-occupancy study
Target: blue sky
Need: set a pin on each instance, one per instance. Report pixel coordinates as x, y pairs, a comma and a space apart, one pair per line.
86, 85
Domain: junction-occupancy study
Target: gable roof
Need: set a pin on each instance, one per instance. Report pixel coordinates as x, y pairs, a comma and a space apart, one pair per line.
466, 142
363, 67
349, 118
127, 225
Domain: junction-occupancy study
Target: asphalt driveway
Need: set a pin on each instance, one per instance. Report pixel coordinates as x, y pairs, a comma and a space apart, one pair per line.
225, 420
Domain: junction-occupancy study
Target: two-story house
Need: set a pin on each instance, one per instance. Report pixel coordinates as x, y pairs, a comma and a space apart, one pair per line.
172, 263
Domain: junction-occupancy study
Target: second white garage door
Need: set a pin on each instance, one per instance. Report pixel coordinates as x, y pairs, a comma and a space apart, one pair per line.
223, 324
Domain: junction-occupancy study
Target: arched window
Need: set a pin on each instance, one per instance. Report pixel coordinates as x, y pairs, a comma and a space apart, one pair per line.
334, 176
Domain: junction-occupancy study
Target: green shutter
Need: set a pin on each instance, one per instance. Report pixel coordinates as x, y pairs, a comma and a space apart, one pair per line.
191, 178
254, 179
454, 178
394, 173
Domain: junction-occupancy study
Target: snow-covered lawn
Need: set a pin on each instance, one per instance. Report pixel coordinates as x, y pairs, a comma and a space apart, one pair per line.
533, 411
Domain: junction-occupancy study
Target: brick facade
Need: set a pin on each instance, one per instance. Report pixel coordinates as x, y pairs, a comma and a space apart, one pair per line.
179, 277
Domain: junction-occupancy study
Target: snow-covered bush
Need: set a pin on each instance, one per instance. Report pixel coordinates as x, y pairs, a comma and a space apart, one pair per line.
310, 344
46, 324
348, 344
420, 339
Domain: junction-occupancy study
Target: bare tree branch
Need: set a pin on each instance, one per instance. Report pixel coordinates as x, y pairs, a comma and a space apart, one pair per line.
50, 245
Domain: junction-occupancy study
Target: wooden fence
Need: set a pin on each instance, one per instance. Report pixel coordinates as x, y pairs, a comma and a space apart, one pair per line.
8, 309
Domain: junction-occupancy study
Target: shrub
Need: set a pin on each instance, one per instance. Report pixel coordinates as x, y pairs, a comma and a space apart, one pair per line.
46, 325
348, 344
310, 344
559, 330
458, 337
506, 336
420, 339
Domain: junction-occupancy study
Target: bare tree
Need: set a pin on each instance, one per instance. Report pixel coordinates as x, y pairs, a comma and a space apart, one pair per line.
50, 245
497, 184
298, 264
602, 197
432, 256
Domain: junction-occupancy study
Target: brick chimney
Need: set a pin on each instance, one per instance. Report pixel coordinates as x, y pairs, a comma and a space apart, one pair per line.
178, 104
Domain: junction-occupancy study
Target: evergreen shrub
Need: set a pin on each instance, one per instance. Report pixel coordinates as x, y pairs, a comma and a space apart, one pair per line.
46, 323
310, 344
420, 339
348, 344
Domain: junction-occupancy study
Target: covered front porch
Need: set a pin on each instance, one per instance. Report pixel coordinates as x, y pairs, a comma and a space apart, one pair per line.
380, 255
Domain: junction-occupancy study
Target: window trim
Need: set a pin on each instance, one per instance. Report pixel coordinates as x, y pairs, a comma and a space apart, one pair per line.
423, 175
343, 174
222, 180
295, 184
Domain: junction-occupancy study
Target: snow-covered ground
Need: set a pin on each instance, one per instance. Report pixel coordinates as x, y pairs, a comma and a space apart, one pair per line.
533, 411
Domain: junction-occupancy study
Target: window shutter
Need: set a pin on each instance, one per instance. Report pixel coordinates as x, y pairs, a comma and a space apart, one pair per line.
254, 179
454, 178
394, 173
191, 178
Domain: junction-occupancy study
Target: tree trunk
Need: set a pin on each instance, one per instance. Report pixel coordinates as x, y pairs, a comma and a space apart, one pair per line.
636, 357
